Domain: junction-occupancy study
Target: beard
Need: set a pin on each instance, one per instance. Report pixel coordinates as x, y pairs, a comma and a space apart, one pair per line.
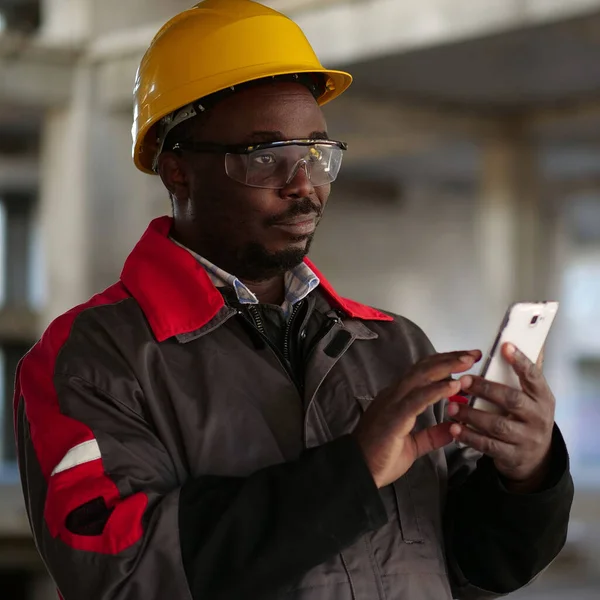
252, 260
256, 263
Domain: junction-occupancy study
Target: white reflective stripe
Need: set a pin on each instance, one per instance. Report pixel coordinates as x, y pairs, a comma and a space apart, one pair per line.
80, 454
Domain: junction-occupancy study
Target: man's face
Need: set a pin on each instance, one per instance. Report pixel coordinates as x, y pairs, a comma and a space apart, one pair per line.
254, 233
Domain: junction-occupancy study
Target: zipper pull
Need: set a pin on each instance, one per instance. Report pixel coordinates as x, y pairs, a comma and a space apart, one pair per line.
257, 340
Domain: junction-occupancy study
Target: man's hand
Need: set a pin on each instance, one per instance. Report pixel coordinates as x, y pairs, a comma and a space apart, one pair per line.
519, 441
385, 432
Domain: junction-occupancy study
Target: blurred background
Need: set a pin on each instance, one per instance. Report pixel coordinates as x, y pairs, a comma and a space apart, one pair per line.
472, 180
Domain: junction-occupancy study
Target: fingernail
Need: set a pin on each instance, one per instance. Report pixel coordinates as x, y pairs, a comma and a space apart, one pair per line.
467, 359
510, 349
466, 382
455, 430
453, 409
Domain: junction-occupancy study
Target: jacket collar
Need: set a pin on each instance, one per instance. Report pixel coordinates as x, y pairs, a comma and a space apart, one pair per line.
176, 294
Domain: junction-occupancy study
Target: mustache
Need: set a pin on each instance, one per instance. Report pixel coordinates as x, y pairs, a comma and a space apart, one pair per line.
303, 207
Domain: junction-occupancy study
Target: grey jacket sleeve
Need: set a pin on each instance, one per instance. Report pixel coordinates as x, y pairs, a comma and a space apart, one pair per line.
497, 541
114, 520
101, 494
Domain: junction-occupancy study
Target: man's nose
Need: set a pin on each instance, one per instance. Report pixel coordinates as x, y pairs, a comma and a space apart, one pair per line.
299, 184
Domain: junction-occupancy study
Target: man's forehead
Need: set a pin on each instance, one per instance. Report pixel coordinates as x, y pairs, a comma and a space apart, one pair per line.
273, 110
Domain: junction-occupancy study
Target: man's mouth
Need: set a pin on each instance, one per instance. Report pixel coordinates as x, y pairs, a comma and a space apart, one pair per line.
300, 225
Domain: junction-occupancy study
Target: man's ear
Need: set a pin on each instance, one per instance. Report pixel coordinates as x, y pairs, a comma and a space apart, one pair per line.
172, 172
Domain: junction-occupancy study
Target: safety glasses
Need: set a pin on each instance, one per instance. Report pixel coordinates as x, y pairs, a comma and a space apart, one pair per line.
274, 165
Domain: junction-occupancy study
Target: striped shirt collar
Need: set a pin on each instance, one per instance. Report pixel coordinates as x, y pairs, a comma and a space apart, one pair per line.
299, 282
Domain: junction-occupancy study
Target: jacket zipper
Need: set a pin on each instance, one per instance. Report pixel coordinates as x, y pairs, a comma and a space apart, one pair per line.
288, 329
260, 327
258, 322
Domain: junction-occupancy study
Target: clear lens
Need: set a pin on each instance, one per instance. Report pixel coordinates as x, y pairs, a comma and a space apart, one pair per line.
275, 167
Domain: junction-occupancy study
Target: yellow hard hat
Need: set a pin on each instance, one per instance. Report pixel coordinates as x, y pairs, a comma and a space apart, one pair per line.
215, 45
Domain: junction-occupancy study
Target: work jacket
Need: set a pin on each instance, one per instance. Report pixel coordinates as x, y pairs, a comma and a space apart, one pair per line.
170, 449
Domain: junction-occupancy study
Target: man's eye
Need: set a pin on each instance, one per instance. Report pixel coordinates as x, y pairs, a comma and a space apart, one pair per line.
265, 159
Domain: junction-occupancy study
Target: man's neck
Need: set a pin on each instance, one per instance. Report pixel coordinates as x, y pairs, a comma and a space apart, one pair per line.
269, 291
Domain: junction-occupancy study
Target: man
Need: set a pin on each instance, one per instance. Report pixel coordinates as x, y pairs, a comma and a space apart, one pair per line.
221, 424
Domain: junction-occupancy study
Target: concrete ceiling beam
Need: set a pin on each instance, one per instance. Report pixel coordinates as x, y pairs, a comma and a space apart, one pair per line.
32, 74
337, 30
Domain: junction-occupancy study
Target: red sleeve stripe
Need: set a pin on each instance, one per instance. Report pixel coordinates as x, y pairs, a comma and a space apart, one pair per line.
52, 433
58, 441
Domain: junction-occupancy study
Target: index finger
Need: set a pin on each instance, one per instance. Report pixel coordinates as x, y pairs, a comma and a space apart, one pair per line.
439, 367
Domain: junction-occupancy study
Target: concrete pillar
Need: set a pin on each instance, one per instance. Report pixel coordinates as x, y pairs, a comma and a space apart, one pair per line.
94, 204
121, 200
562, 352
509, 221
63, 199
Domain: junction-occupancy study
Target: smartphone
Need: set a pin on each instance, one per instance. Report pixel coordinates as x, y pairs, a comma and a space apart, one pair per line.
526, 325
